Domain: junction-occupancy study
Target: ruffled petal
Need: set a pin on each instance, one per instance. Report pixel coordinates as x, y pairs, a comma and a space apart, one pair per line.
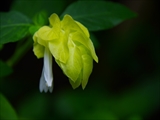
38, 50
77, 83
54, 21
84, 29
35, 37
73, 66
69, 25
59, 48
78, 37
87, 69
47, 34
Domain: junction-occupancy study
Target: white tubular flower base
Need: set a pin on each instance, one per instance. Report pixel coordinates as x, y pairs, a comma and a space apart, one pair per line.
47, 75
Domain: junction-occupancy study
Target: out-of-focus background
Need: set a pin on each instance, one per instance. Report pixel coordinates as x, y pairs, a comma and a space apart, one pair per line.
124, 85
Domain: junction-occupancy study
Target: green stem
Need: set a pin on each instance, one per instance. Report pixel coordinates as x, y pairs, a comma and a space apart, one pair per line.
20, 52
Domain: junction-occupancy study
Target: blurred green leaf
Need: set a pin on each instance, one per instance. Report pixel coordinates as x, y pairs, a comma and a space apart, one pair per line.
5, 70
31, 7
99, 15
34, 106
1, 46
132, 104
14, 26
140, 100
7, 112
135, 117
122, 48
33, 29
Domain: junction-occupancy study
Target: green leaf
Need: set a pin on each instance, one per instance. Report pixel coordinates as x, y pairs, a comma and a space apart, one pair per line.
99, 15
33, 29
133, 103
4, 69
31, 7
34, 102
7, 111
1, 46
14, 26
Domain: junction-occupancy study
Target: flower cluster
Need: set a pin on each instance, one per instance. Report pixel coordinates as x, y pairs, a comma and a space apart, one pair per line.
68, 41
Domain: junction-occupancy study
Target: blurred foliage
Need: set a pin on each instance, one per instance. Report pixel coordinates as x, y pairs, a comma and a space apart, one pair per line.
99, 15
14, 27
29, 7
5, 69
124, 85
7, 112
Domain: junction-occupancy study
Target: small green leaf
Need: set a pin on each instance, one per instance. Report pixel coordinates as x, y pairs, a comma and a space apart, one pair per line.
4, 69
99, 15
7, 111
14, 26
33, 29
40, 18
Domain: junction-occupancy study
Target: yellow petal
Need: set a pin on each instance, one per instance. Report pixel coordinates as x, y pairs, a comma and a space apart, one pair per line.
54, 21
87, 69
59, 48
35, 37
77, 83
46, 33
69, 25
79, 34
78, 37
37, 40
73, 66
84, 29
38, 50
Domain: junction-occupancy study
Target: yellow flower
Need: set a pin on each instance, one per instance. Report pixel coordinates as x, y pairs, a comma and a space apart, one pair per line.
68, 41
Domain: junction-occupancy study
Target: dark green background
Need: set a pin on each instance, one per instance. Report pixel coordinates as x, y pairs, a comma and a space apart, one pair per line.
123, 85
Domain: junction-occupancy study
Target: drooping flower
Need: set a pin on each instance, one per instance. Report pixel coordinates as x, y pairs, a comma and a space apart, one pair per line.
68, 41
